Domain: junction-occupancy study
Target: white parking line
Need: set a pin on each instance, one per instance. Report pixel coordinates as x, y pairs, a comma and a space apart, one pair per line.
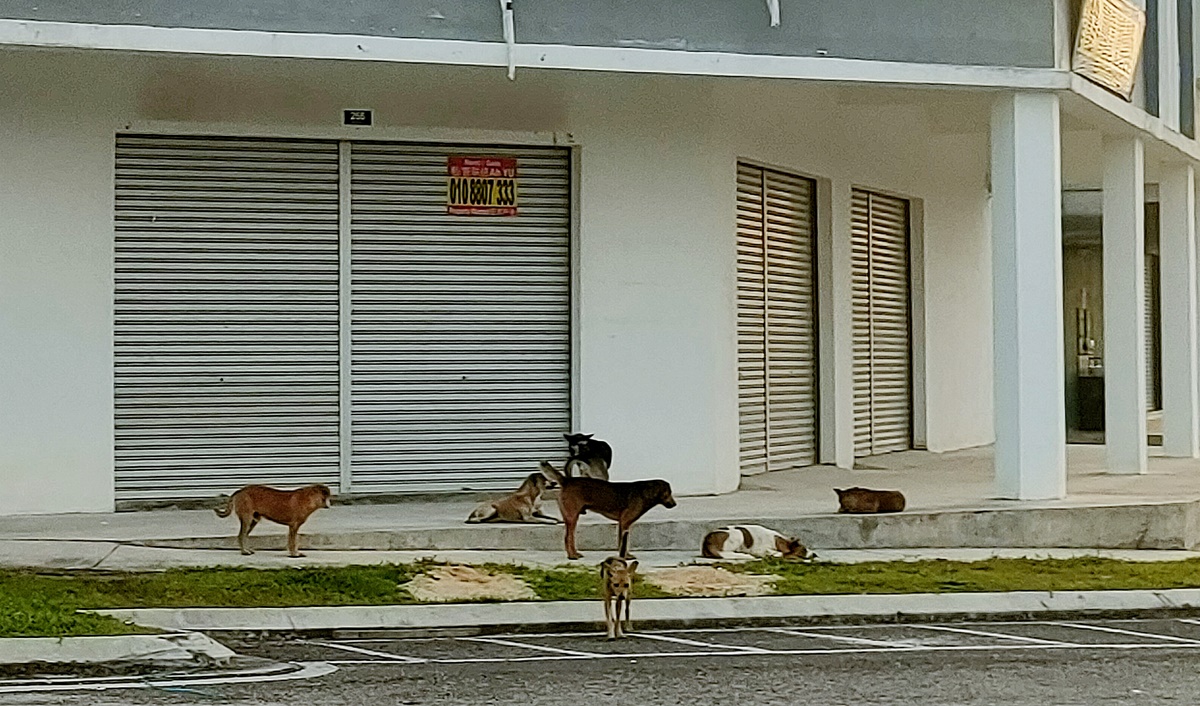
981, 633
1118, 631
842, 638
774, 653
365, 651
540, 648
698, 643
308, 670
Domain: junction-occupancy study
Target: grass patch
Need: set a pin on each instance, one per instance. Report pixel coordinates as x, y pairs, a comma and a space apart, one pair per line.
33, 604
942, 576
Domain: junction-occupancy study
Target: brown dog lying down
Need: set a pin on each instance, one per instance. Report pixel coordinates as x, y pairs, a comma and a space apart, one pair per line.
287, 507
524, 505
616, 578
741, 541
863, 500
623, 502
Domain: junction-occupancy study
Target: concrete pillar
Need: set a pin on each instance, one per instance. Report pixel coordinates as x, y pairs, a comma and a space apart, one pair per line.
1177, 244
1124, 305
835, 276
1027, 297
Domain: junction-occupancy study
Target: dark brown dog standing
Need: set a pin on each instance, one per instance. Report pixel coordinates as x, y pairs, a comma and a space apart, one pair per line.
287, 507
864, 500
622, 502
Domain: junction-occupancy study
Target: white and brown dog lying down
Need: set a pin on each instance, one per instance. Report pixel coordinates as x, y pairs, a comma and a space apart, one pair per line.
749, 541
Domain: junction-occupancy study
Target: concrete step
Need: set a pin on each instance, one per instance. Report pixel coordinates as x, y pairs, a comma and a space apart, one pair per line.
1168, 525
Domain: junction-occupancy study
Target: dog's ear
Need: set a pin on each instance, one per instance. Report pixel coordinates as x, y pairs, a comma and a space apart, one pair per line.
587, 436
632, 566
839, 491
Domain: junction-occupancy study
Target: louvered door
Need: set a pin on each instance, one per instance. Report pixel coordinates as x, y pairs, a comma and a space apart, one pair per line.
226, 333
777, 365
460, 324
881, 335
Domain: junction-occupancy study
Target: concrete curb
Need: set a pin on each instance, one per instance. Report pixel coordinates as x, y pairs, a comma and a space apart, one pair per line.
674, 611
1157, 525
184, 647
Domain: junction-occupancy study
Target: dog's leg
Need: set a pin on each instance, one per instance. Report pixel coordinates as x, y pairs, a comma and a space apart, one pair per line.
620, 601
547, 519
570, 520
608, 617
247, 524
293, 540
628, 603
623, 540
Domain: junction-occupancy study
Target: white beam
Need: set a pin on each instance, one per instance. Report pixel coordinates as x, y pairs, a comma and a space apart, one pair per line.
1124, 304
1177, 248
1027, 297
835, 268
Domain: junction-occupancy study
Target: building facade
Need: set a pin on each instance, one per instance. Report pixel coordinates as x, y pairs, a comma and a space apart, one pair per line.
399, 248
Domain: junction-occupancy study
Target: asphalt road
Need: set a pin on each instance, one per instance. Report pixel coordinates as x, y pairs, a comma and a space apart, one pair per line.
1014, 664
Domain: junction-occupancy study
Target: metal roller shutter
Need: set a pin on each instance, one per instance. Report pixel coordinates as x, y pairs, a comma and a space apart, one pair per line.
882, 347
1153, 345
226, 333
777, 364
460, 325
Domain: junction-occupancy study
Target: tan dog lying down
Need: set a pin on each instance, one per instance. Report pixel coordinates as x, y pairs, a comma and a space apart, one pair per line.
745, 541
287, 507
524, 505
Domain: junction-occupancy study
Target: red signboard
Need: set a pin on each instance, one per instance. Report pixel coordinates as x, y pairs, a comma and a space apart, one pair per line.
481, 186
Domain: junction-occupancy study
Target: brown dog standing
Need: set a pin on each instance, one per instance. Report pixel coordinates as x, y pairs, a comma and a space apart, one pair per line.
524, 505
287, 507
622, 502
616, 577
864, 500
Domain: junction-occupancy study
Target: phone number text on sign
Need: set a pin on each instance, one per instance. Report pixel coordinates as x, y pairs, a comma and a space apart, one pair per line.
481, 186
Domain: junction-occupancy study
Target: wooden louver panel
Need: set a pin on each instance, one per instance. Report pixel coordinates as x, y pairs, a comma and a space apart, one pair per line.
777, 371
882, 345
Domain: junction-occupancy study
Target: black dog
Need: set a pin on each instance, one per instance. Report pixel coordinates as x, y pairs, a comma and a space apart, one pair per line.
593, 454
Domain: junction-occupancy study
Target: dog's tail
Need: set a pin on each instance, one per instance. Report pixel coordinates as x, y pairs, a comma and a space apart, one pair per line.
552, 473
227, 509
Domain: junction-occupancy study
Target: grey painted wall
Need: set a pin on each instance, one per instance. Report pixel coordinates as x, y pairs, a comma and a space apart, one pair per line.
976, 32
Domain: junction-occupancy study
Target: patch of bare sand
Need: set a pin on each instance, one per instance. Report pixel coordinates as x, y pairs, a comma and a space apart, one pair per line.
456, 582
710, 581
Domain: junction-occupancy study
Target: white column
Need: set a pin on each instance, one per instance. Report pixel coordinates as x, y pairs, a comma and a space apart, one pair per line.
1027, 297
1177, 245
836, 326
1124, 305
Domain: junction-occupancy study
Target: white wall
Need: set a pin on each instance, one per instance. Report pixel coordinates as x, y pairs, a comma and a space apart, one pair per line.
55, 289
656, 326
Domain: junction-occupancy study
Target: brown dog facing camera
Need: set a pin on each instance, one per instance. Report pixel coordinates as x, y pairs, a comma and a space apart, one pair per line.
863, 500
287, 507
616, 583
622, 502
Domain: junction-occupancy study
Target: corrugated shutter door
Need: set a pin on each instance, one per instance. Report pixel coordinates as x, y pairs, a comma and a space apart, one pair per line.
1151, 317
777, 368
883, 415
226, 333
752, 321
860, 229
461, 324
791, 322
